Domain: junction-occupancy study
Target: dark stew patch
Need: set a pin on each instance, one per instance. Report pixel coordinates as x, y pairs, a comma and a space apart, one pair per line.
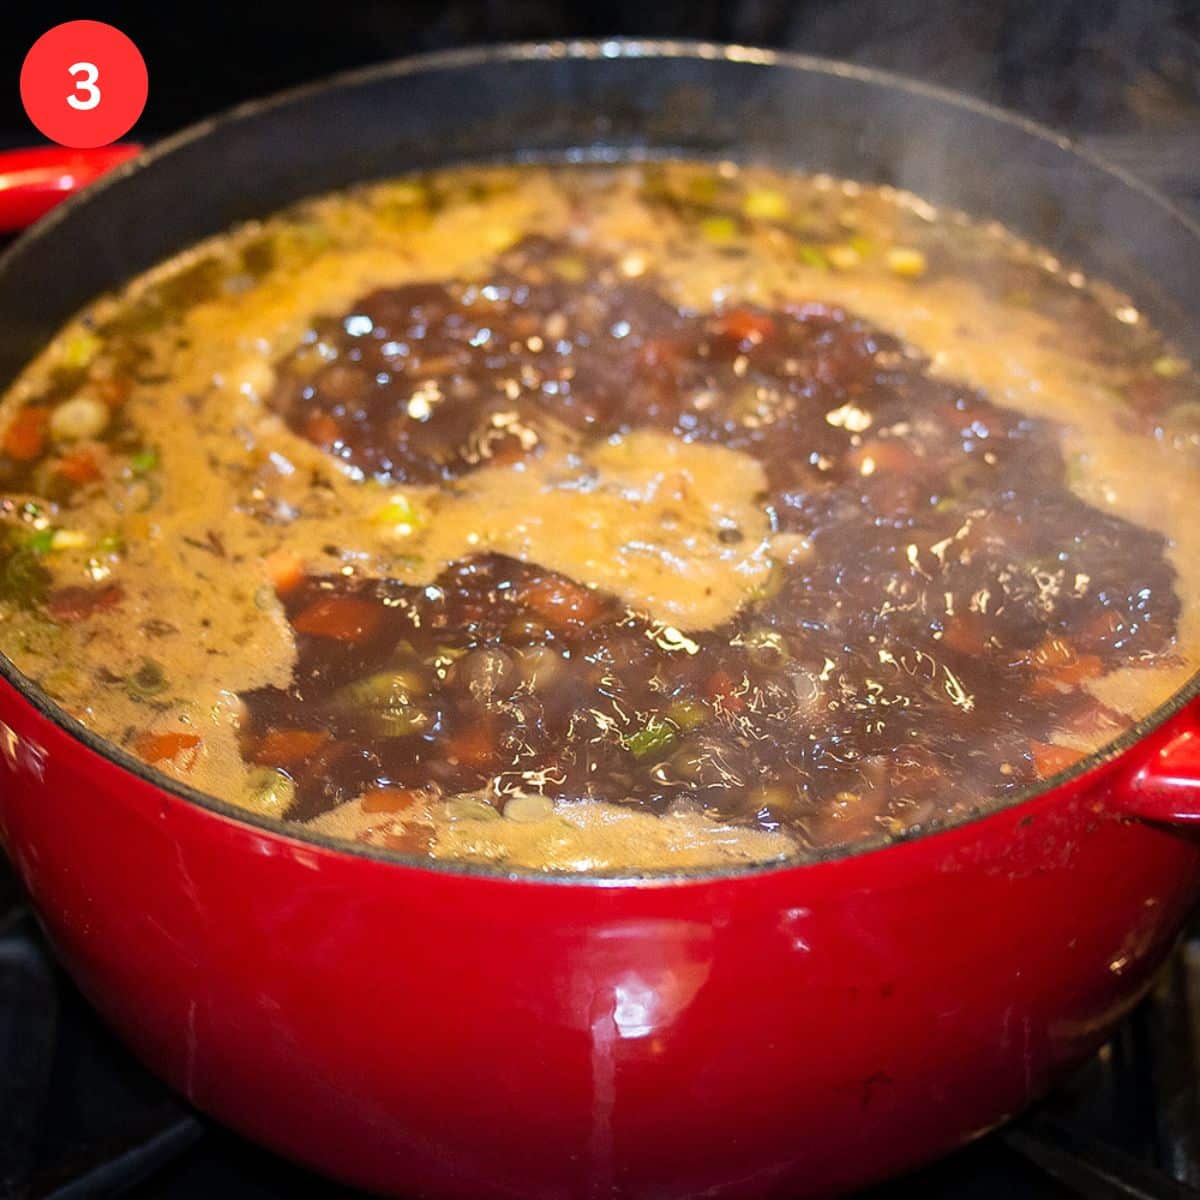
923, 643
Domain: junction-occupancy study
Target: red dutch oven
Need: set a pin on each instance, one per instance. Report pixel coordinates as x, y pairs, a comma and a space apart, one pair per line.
449, 1031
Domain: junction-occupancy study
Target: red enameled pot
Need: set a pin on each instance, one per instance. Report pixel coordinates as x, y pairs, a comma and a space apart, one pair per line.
450, 1032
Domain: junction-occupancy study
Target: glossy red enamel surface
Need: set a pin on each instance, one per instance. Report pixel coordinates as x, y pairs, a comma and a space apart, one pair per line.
789, 1033
33, 181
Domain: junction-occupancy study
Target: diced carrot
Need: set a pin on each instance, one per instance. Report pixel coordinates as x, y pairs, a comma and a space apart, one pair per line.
559, 601
965, 633
322, 429
26, 436
1086, 666
745, 325
472, 746
289, 747
1049, 759
284, 568
79, 467
1059, 666
160, 747
1052, 653
72, 604
345, 618
391, 800
720, 688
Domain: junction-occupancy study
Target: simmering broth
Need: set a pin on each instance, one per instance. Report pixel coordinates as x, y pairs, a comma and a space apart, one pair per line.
606, 518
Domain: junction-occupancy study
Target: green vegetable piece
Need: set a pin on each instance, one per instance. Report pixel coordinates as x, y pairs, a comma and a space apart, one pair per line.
23, 579
143, 461
269, 791
149, 679
388, 702
655, 737
765, 204
718, 230
686, 714
812, 256
1168, 366
41, 542
80, 349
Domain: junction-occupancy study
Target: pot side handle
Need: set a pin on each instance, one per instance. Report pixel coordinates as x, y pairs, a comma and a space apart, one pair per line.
33, 181
1166, 787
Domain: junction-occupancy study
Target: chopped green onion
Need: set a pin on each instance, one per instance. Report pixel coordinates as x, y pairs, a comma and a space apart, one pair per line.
652, 739
143, 461
148, 680
268, 791
765, 204
401, 514
718, 230
687, 714
388, 702
812, 256
69, 539
1167, 366
79, 349
906, 262
843, 258
41, 542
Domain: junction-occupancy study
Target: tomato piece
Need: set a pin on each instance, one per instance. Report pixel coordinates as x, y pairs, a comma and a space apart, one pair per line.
289, 747
720, 688
560, 601
391, 800
1049, 759
344, 618
26, 436
745, 326
160, 747
72, 604
79, 467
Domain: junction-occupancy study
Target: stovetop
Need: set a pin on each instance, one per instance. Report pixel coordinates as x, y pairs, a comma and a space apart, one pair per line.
79, 1118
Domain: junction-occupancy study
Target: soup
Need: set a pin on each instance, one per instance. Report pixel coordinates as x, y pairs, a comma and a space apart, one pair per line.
600, 518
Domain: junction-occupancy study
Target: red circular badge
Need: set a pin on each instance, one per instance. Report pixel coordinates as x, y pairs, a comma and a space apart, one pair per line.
83, 84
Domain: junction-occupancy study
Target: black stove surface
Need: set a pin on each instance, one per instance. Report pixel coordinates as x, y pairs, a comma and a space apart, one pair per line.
79, 1118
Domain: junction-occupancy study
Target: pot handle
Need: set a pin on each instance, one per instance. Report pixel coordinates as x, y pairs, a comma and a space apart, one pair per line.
1166, 787
33, 181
